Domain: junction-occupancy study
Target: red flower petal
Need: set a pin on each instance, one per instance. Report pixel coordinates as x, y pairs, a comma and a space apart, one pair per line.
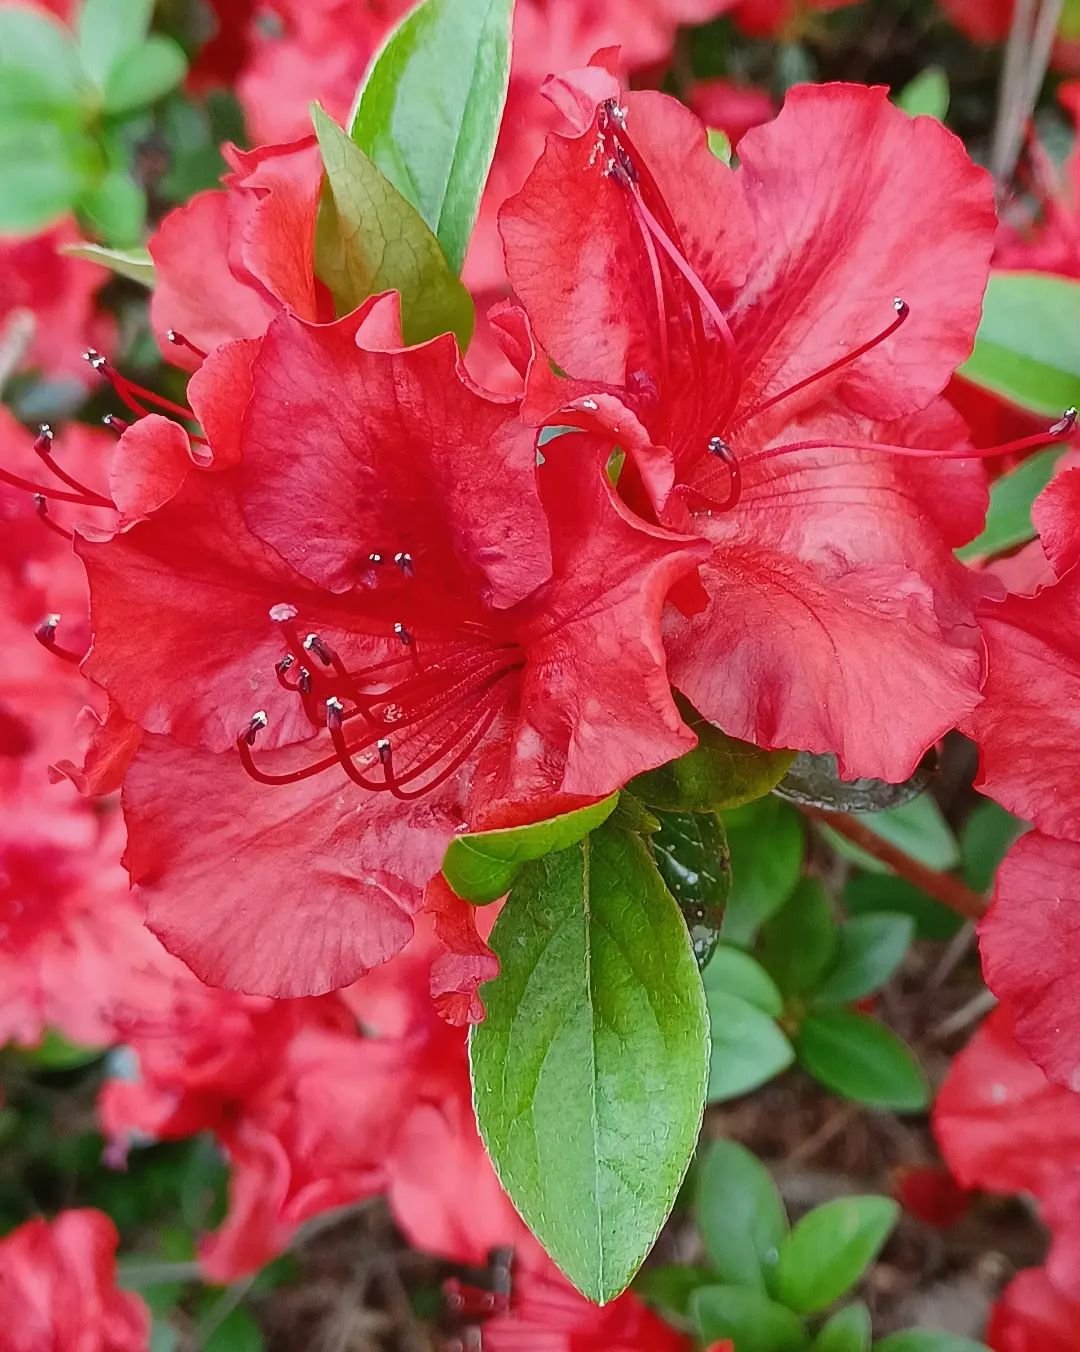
467, 961
1029, 943
1033, 1316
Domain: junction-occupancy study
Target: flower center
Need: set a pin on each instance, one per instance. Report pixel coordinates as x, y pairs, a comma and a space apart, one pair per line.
403, 725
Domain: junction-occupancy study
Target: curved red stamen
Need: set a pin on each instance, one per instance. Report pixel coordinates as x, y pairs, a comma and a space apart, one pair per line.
903, 310
178, 340
45, 633
43, 446
1061, 431
41, 506
84, 499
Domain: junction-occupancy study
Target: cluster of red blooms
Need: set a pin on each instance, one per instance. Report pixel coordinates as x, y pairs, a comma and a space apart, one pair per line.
340, 611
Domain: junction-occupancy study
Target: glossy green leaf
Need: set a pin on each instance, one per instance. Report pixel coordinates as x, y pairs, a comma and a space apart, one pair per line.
720, 772
748, 1049
691, 853
829, 1249
589, 1072
800, 942
429, 111
984, 842
481, 867
1028, 345
815, 780
741, 1216
733, 972
869, 894
765, 841
114, 209
752, 1321
849, 1330
720, 144
370, 239
928, 1340
861, 1059
157, 66
869, 950
1008, 519
927, 95
918, 828
134, 264
109, 31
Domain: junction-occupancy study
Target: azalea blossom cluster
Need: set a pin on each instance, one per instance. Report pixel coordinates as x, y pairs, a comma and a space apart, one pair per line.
283, 643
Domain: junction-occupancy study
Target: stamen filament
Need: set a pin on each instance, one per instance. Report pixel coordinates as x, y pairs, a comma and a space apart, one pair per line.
84, 499
903, 310
42, 507
45, 633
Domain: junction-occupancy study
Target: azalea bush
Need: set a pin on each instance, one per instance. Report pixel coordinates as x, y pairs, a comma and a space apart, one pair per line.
541, 695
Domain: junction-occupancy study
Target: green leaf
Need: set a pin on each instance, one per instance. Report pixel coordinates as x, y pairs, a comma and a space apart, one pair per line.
590, 1069
481, 867
733, 972
918, 828
870, 894
740, 1213
830, 1249
43, 52
237, 1332
927, 95
134, 264
861, 1059
849, 1330
720, 772
870, 949
815, 780
720, 144
669, 1288
748, 1049
765, 840
752, 1321
55, 1052
800, 941
692, 855
1008, 520
984, 842
145, 75
1028, 344
41, 175
108, 31
928, 1340
429, 111
115, 209
370, 239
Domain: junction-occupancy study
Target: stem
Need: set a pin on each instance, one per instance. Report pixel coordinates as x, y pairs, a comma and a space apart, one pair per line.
943, 887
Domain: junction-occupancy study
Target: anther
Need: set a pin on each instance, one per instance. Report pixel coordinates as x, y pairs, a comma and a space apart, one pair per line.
44, 440
335, 713
384, 750
282, 613
375, 559
304, 683
404, 561
45, 633
314, 644
1066, 424
719, 447
178, 340
285, 664
902, 308
41, 506
96, 360
256, 724
403, 634
115, 424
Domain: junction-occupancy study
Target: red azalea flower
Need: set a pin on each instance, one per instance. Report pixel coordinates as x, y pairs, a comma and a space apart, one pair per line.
58, 1288
751, 410
231, 259
771, 18
1003, 1127
730, 107
1032, 1315
476, 654
47, 302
